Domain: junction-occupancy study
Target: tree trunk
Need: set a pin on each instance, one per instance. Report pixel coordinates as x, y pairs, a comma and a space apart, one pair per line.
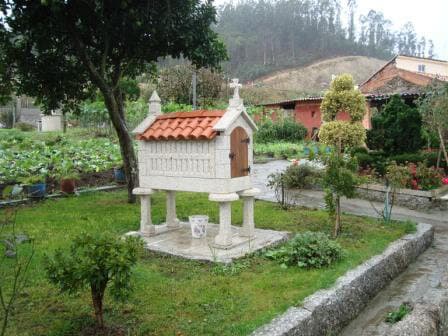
97, 301
64, 123
442, 144
114, 103
337, 227
116, 114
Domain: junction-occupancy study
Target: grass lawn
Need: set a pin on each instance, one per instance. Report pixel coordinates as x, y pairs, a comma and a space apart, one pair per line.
174, 296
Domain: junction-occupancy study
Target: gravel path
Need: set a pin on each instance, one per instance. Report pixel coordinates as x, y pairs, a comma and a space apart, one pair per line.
424, 280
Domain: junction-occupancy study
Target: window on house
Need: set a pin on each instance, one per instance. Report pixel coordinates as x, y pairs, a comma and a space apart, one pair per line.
313, 114
421, 68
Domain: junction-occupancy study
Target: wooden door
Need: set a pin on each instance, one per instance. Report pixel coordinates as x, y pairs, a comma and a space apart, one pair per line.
239, 154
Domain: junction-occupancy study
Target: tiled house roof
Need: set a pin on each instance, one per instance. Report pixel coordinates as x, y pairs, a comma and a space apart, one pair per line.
195, 125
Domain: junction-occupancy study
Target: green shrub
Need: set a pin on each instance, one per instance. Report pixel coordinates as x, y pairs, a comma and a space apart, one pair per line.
284, 130
95, 262
407, 158
378, 161
301, 176
307, 250
24, 127
359, 150
431, 160
397, 315
397, 129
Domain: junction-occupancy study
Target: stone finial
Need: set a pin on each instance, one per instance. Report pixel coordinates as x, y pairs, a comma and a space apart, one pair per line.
155, 107
236, 86
235, 101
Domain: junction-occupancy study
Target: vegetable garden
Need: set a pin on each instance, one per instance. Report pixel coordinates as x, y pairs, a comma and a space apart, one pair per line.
28, 158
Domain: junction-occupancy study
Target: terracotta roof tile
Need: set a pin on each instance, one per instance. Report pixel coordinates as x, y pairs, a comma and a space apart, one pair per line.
183, 126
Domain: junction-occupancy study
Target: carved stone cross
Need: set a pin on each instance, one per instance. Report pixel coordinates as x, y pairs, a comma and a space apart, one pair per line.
235, 85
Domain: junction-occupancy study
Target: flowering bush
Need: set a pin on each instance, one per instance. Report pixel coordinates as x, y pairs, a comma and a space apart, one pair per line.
414, 176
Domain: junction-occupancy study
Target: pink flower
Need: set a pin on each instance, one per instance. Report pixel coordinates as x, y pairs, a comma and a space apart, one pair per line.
414, 184
445, 180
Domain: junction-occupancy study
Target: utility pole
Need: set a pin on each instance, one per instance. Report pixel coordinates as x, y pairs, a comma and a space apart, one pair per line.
194, 80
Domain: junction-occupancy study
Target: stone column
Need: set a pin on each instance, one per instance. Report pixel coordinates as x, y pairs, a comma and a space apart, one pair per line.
248, 228
146, 226
171, 217
224, 237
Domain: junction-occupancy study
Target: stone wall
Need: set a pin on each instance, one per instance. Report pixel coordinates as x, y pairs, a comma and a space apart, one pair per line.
328, 311
412, 199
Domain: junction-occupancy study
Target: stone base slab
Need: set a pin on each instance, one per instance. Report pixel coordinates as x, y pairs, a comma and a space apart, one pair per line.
327, 311
180, 243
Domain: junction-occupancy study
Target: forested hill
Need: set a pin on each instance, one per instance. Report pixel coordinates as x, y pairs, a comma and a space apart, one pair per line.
263, 36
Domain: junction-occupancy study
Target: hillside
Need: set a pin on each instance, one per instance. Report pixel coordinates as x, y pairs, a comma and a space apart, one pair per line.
265, 36
315, 78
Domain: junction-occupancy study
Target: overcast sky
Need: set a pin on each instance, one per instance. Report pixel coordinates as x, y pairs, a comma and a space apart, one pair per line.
430, 17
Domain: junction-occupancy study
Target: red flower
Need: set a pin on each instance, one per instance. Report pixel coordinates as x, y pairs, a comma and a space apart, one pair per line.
445, 180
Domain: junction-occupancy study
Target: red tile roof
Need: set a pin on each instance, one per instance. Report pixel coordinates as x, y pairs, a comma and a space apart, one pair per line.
194, 125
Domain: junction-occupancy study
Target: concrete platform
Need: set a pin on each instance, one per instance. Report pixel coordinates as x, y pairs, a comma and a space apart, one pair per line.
180, 243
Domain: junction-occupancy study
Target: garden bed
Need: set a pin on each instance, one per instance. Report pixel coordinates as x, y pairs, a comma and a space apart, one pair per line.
412, 199
174, 296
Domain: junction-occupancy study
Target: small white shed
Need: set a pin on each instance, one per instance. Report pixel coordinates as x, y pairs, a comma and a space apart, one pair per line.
199, 151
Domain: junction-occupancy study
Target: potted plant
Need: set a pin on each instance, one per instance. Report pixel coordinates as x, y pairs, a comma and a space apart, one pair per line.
68, 182
67, 175
34, 186
119, 175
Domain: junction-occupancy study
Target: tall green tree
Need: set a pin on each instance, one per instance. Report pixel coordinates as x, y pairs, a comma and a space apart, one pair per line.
61, 50
340, 179
397, 129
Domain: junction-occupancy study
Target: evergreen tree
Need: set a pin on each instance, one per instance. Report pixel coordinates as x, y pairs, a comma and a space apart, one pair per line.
397, 129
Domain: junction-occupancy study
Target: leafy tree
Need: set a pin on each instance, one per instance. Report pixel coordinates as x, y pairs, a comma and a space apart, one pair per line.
397, 129
95, 262
340, 179
175, 84
434, 110
61, 51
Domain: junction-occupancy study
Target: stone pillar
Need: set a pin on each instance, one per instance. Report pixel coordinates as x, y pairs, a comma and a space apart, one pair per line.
171, 217
146, 226
248, 196
224, 237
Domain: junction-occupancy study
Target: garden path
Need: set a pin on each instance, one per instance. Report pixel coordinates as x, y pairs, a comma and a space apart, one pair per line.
427, 278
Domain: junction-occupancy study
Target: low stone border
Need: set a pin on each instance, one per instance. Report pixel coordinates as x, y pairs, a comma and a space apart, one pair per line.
327, 311
413, 199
